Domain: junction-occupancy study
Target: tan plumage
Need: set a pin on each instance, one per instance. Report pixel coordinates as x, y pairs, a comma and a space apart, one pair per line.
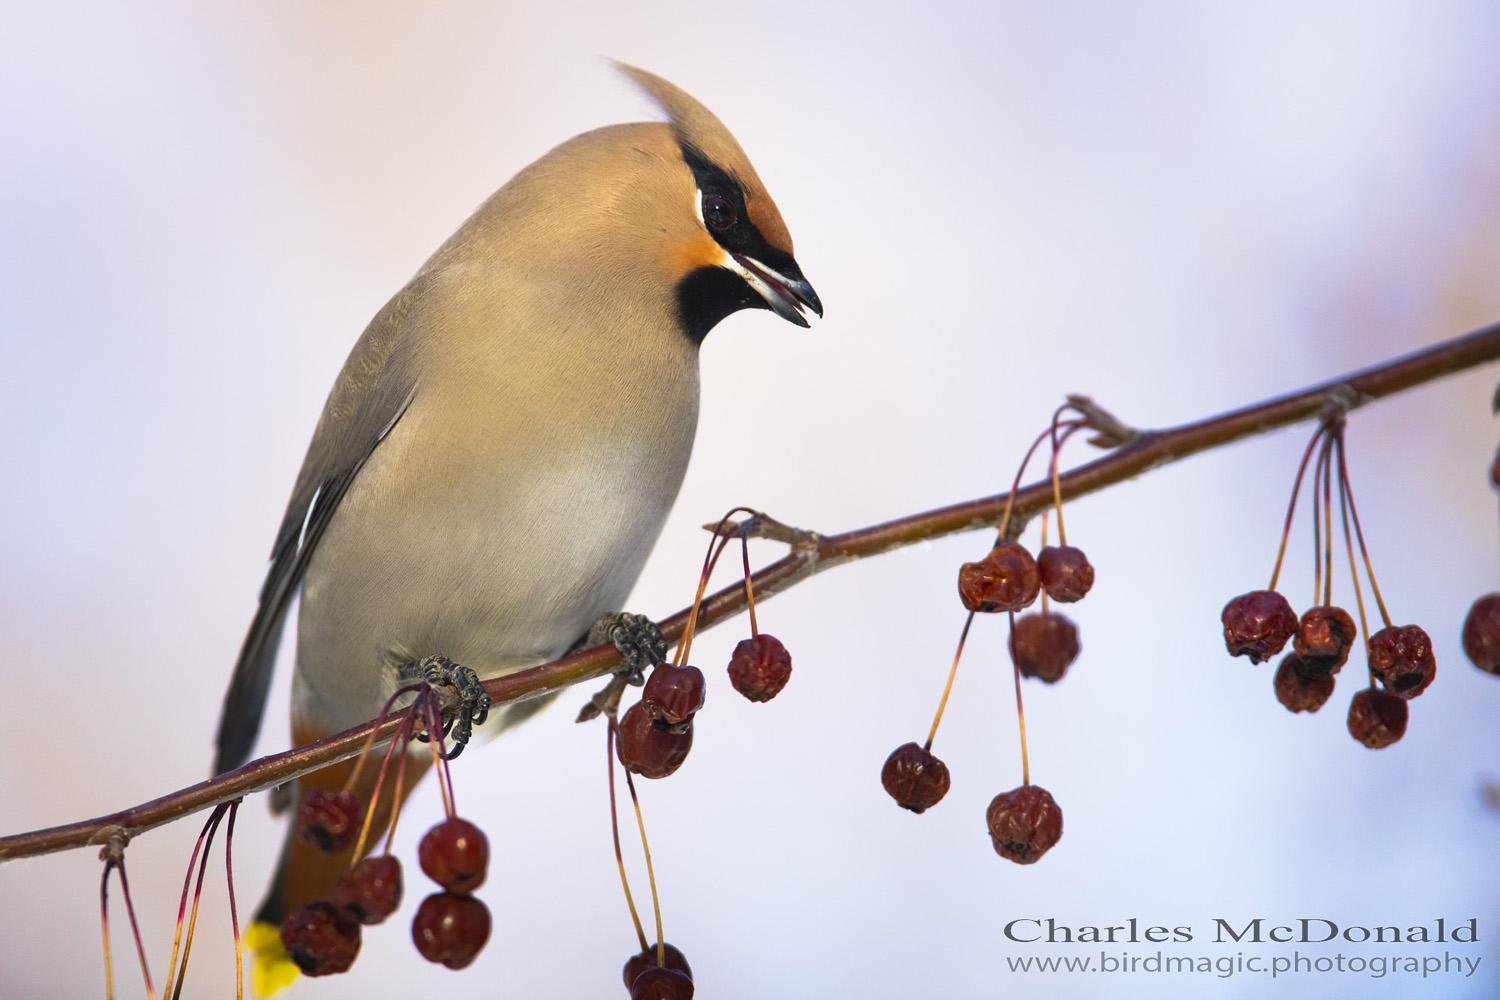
506, 439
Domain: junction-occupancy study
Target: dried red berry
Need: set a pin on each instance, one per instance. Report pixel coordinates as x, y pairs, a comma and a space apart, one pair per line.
1482, 634
661, 984
1024, 823
1043, 645
648, 751
1323, 639
915, 778
321, 939
1258, 624
760, 667
639, 963
1065, 572
371, 890
1005, 580
450, 929
329, 820
1296, 690
672, 695
455, 854
1377, 718
1401, 656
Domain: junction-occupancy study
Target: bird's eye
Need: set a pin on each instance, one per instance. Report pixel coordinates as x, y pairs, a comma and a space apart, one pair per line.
717, 211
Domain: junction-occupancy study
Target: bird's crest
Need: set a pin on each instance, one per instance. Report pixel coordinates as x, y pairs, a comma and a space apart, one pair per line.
696, 128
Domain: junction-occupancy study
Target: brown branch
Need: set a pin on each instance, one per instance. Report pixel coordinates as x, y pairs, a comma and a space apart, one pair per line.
812, 553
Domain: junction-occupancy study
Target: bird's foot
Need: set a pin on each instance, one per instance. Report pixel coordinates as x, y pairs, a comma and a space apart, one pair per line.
640, 643
465, 702
638, 639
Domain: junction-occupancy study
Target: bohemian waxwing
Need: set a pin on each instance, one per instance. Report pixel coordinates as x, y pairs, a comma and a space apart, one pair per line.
503, 445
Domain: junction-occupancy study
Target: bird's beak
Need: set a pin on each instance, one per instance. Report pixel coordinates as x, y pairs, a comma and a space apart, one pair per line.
785, 294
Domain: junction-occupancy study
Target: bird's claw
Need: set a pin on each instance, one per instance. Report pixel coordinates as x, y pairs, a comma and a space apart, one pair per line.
471, 702
638, 639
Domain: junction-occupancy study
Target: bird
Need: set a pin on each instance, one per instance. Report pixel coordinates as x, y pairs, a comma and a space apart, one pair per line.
500, 451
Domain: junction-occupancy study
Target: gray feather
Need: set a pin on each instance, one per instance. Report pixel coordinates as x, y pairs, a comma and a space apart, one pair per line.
371, 394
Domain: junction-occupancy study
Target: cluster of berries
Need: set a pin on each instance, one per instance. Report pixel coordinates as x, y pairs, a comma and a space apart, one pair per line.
450, 927
1259, 624
659, 972
1025, 822
652, 739
655, 734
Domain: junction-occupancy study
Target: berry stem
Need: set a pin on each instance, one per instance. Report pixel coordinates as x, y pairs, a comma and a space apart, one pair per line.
396, 800
109, 972
1319, 473
234, 915
359, 764
400, 739
434, 722
1327, 553
1020, 709
614, 830
113, 855
1359, 597
710, 560
661, 951
135, 929
1347, 490
947, 688
1010, 499
1292, 507
182, 906
749, 590
1062, 535
206, 843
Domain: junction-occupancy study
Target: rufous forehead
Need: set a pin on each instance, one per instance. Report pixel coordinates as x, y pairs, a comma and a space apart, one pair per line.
765, 217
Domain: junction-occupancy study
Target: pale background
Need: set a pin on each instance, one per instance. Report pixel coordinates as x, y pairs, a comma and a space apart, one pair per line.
1176, 207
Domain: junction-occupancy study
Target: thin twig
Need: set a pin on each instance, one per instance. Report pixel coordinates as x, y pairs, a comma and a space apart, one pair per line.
812, 554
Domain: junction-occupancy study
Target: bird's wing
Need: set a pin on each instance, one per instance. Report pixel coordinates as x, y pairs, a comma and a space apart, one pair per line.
372, 393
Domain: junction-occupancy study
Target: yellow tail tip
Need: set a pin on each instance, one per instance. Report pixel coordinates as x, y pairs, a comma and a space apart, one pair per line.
273, 970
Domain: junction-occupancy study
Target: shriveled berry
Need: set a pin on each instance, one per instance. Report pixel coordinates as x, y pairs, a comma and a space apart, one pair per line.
329, 819
661, 984
455, 854
1043, 645
915, 778
1323, 639
1401, 656
1377, 718
1065, 572
1258, 624
639, 963
1005, 580
1024, 823
1482, 634
320, 939
1296, 690
450, 929
760, 667
672, 696
371, 890
648, 751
